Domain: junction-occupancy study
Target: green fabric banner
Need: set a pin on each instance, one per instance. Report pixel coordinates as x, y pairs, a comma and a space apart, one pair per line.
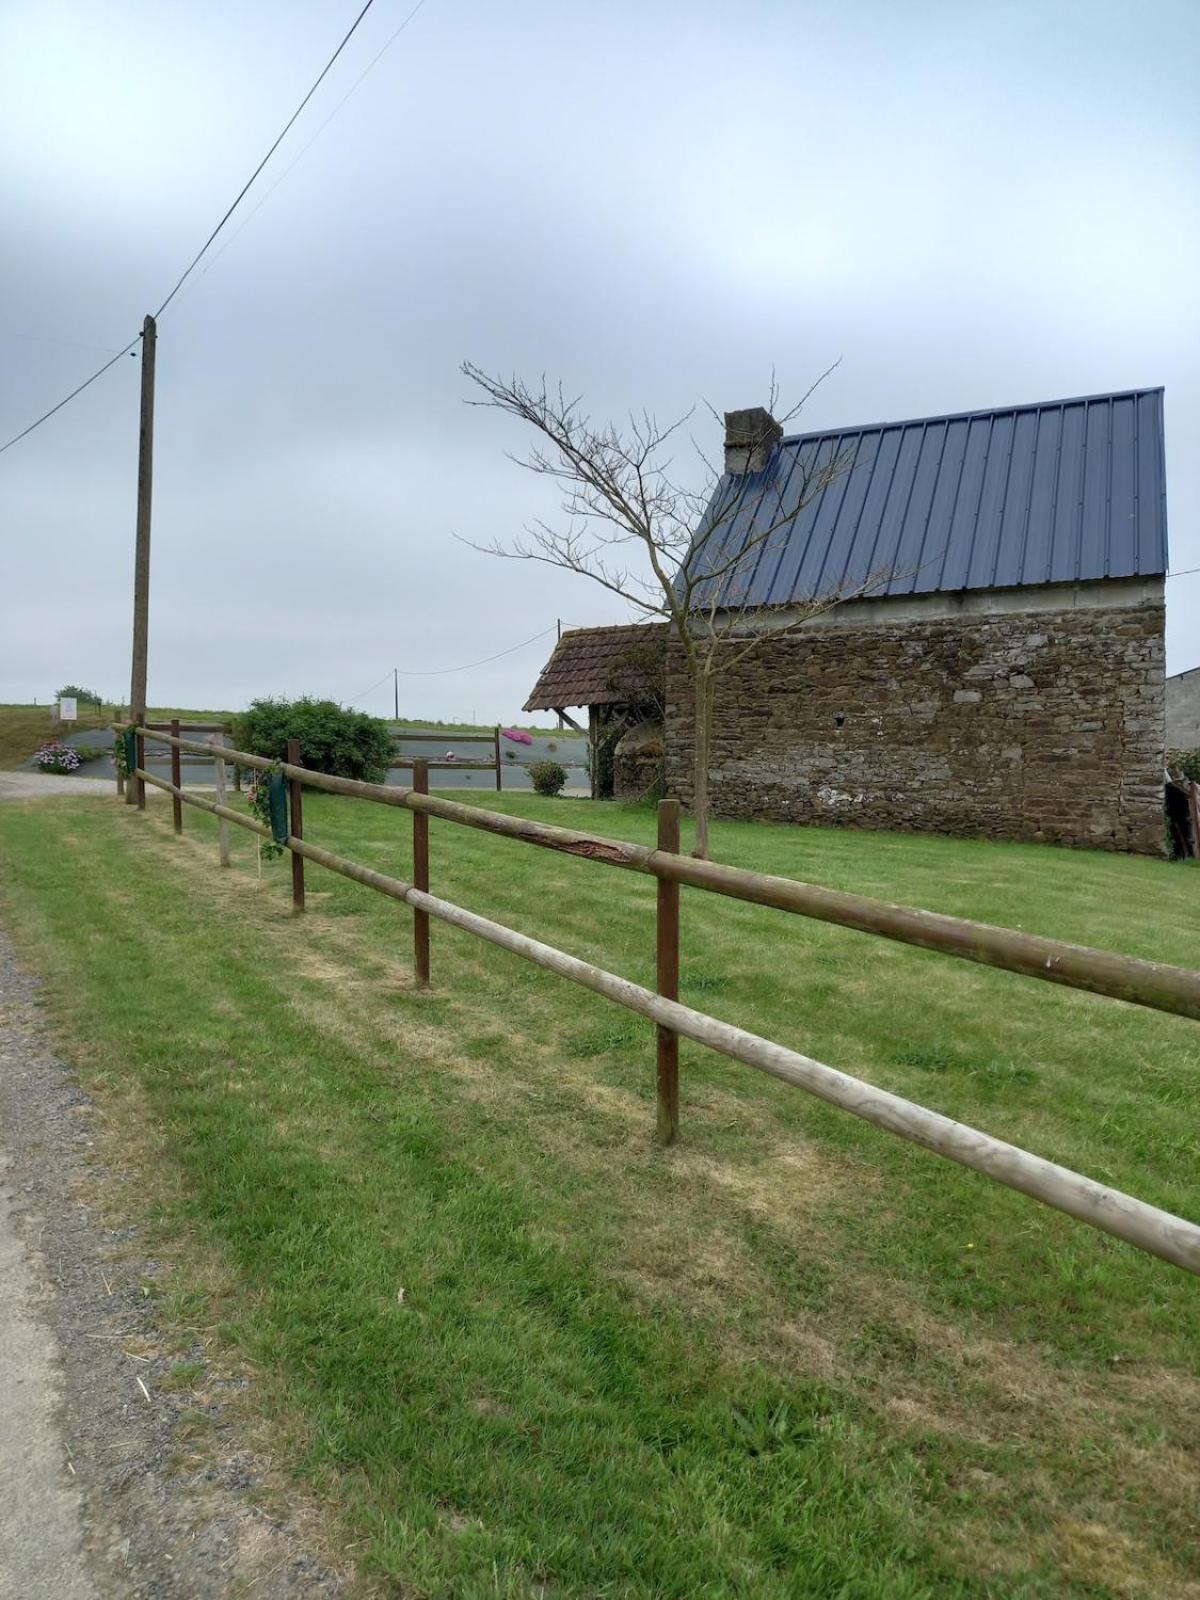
130, 739
277, 793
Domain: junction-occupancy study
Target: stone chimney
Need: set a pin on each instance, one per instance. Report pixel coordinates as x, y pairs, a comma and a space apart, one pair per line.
750, 437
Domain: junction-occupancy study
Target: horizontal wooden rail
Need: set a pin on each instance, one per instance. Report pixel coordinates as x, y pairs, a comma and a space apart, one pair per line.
190, 727
449, 738
1155, 984
445, 766
1162, 1234
198, 800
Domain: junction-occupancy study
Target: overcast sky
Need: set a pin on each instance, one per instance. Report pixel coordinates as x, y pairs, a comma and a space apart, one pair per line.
971, 204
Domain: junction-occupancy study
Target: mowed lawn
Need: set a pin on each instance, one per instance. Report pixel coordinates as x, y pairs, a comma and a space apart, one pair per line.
518, 1350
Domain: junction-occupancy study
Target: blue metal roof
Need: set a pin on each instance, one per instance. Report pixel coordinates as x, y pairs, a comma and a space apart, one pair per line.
1059, 492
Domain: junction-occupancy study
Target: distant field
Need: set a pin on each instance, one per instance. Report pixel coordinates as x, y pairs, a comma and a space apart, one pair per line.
24, 728
792, 1357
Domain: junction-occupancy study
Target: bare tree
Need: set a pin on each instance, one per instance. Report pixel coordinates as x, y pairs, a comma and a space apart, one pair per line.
681, 552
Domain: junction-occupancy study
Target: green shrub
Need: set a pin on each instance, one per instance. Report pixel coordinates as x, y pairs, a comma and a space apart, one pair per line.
547, 777
1188, 762
74, 691
348, 744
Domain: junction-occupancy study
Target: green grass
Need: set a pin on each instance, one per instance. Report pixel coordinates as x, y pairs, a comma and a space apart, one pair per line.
545, 730
793, 1356
23, 728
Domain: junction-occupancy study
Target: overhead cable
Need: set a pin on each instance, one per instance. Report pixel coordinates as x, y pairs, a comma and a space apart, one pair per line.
196, 259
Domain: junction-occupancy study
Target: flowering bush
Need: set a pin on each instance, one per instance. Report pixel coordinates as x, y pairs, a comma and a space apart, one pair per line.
57, 758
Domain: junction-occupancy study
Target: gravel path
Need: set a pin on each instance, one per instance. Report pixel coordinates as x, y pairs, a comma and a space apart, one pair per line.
93, 1501
36, 785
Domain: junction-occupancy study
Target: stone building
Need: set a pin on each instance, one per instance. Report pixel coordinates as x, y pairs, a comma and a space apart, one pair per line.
1183, 710
996, 665
617, 673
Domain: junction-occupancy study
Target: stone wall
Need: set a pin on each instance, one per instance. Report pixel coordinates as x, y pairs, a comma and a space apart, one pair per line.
1017, 723
638, 762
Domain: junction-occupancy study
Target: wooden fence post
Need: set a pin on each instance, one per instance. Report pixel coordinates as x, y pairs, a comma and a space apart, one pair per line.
296, 825
222, 822
668, 977
176, 776
420, 783
499, 769
140, 783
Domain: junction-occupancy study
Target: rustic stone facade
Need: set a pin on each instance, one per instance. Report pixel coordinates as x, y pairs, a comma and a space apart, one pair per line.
1034, 714
638, 762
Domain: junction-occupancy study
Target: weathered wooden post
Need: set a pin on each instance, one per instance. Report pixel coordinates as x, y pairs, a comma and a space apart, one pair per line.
296, 825
140, 783
499, 769
668, 977
222, 822
420, 783
141, 560
176, 776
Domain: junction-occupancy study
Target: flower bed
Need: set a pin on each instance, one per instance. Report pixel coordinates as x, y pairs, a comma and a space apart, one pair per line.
57, 758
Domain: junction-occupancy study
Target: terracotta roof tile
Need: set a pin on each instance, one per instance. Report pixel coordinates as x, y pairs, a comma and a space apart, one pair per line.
587, 668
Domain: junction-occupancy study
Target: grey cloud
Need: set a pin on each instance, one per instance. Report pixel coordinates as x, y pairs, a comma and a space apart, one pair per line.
657, 203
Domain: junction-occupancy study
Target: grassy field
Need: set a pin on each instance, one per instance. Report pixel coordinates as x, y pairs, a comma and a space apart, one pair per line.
24, 728
792, 1356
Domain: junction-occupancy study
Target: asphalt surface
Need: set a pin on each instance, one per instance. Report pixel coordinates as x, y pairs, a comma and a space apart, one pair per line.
515, 757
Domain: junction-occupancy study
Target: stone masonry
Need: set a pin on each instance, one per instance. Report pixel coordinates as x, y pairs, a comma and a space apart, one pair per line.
1040, 719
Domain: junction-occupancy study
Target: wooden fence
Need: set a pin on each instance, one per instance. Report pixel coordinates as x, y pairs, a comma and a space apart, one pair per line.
451, 763
153, 731
1128, 978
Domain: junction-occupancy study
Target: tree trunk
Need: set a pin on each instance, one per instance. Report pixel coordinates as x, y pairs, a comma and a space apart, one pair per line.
700, 753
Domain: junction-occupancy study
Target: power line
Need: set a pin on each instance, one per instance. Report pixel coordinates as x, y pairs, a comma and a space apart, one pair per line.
372, 689
279, 140
1186, 573
440, 672
46, 415
100, 371
306, 147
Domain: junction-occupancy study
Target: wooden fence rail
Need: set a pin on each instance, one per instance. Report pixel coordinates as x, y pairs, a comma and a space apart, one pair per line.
1166, 988
1131, 978
495, 765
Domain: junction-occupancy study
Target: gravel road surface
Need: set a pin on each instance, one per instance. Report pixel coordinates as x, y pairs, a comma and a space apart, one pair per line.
101, 1497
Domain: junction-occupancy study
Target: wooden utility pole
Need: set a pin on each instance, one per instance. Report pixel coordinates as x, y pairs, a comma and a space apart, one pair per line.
136, 792
396, 691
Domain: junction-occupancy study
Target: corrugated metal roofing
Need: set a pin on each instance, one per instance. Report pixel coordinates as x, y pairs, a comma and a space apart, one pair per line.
600, 667
1058, 492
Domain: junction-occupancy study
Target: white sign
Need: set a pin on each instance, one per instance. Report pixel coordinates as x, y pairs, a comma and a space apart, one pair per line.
68, 710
